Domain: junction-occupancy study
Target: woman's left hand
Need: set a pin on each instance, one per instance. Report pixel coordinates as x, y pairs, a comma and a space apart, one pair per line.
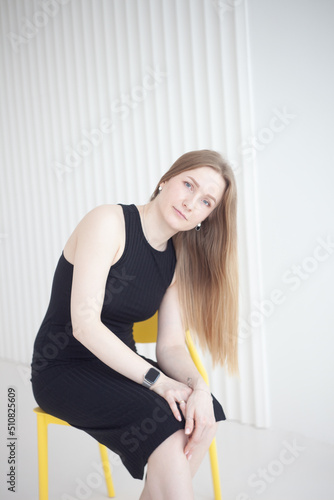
199, 417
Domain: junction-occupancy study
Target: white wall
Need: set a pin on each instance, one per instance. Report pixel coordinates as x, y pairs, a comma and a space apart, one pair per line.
291, 49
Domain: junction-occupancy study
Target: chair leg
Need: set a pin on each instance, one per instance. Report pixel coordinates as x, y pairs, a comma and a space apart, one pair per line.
215, 470
42, 439
107, 471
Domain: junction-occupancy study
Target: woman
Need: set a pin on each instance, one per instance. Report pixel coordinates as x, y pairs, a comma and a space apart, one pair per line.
118, 267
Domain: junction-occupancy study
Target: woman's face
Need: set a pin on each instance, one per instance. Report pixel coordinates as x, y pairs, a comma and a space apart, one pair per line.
190, 197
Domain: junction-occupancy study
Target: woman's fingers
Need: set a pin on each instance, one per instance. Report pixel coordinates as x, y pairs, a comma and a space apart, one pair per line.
175, 393
176, 411
194, 439
183, 407
199, 421
190, 425
173, 406
201, 430
176, 406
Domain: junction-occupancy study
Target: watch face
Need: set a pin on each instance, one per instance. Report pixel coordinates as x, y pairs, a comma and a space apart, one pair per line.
152, 375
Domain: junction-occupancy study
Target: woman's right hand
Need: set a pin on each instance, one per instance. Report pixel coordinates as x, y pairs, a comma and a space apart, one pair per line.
173, 392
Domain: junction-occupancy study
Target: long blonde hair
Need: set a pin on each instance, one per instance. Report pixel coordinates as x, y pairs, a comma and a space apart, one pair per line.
207, 266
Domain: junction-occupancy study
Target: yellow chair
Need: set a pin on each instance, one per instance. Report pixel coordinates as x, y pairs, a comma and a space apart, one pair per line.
144, 332
43, 420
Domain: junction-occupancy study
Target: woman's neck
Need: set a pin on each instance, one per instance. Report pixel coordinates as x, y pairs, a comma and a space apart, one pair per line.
156, 231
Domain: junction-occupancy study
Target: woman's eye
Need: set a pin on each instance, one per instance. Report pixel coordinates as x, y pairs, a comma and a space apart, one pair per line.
187, 184
207, 203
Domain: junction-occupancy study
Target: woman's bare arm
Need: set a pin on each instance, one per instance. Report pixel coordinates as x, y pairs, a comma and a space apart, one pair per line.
172, 354
175, 361
98, 238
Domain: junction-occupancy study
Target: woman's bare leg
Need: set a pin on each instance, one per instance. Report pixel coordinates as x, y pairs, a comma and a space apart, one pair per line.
170, 472
145, 494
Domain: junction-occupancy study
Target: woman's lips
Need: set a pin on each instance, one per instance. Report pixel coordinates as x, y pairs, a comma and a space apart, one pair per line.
180, 213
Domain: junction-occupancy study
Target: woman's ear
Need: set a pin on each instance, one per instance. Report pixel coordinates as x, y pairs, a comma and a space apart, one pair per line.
161, 186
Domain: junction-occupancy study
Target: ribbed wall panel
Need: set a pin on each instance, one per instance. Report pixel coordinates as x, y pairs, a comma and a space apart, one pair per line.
90, 62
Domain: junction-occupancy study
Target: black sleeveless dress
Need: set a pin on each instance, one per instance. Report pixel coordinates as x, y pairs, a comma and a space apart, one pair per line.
71, 383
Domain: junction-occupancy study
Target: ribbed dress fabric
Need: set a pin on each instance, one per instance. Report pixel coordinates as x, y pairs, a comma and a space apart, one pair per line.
71, 383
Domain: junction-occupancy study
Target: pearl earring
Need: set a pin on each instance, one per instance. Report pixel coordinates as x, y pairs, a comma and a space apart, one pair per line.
198, 227
160, 189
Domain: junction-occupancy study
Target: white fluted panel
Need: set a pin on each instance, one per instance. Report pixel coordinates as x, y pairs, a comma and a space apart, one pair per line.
159, 78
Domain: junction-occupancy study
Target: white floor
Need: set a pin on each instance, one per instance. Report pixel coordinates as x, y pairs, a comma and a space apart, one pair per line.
254, 463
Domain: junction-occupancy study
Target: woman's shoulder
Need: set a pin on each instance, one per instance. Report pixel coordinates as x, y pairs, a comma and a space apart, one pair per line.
105, 216
105, 212
104, 223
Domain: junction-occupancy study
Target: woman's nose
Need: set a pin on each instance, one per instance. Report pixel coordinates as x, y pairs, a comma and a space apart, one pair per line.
187, 204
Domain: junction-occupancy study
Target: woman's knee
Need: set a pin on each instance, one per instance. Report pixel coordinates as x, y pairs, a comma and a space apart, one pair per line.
169, 461
172, 447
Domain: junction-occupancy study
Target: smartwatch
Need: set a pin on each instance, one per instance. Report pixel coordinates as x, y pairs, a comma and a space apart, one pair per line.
151, 377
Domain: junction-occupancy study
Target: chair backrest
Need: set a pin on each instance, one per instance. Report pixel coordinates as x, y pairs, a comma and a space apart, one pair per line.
145, 332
